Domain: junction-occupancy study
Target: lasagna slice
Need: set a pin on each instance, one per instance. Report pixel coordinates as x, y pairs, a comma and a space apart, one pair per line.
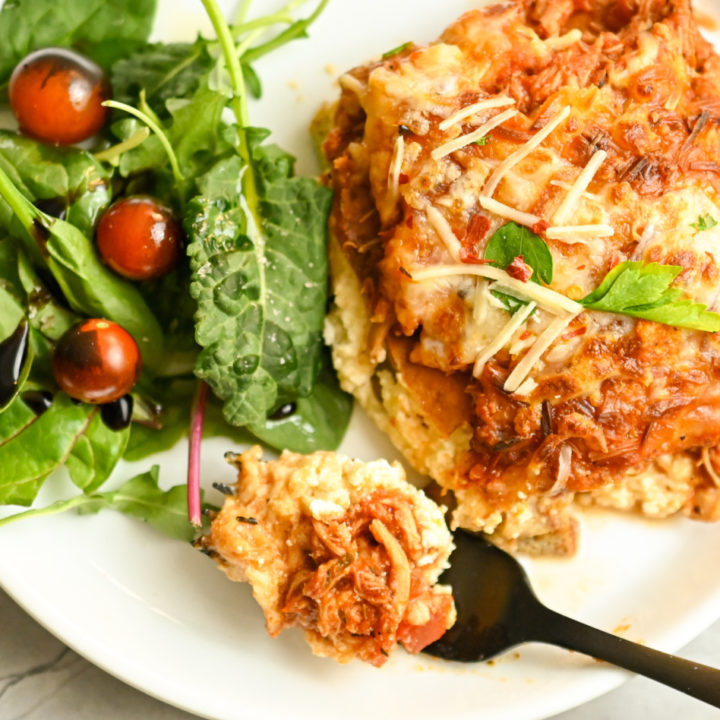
348, 551
487, 187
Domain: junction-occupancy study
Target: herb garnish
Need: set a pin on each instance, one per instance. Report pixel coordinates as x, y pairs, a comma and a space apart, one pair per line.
643, 291
511, 241
243, 314
704, 222
396, 50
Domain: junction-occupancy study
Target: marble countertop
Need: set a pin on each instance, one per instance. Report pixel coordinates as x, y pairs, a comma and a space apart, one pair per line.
41, 679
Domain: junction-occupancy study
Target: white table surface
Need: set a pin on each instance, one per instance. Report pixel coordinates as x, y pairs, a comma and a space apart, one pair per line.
41, 679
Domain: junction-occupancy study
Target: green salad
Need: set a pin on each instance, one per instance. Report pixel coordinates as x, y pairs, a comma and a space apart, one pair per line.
116, 344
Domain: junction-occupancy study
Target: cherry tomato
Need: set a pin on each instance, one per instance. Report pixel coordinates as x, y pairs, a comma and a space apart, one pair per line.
96, 361
56, 96
139, 238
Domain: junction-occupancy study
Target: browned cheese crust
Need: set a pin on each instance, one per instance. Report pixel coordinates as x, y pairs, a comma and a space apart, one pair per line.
617, 411
347, 551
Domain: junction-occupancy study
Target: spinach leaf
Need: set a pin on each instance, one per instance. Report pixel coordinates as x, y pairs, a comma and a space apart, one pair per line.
42, 444
513, 240
46, 172
95, 454
319, 421
102, 29
87, 284
643, 291
260, 290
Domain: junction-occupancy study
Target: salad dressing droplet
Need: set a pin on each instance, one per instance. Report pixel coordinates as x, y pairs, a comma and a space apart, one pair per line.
117, 414
13, 353
38, 400
283, 411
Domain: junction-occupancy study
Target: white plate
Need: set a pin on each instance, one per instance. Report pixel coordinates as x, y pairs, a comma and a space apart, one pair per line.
158, 615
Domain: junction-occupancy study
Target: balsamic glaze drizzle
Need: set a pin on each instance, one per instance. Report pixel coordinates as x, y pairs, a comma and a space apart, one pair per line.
13, 354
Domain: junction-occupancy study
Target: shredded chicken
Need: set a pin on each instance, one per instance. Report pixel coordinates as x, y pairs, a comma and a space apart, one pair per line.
348, 551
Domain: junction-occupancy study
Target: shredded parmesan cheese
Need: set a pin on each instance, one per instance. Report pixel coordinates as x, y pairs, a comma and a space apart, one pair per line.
467, 111
395, 168
444, 231
460, 142
351, 83
563, 470
575, 233
480, 301
567, 186
707, 462
507, 212
523, 152
564, 41
562, 214
527, 387
546, 338
503, 337
545, 297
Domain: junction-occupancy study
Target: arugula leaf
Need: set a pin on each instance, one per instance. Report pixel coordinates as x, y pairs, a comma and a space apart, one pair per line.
319, 421
704, 222
512, 240
643, 291
102, 29
140, 497
260, 290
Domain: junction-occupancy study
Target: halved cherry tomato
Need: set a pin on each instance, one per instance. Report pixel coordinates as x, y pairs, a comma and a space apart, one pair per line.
139, 238
56, 96
96, 361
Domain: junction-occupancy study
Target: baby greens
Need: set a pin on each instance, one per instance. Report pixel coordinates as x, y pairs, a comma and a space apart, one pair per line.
244, 313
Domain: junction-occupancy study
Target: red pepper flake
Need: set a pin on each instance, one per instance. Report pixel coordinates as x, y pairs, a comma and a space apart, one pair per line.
574, 333
581, 267
540, 227
410, 220
468, 255
519, 269
525, 335
477, 229
403, 179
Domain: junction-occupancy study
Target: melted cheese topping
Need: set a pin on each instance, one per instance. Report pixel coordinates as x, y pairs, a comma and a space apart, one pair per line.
524, 151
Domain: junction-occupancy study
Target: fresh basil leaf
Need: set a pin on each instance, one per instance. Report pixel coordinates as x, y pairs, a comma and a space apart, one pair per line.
43, 445
511, 303
513, 240
319, 421
141, 497
102, 29
95, 454
260, 290
643, 291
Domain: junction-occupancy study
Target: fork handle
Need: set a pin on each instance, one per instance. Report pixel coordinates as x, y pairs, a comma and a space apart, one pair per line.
695, 679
